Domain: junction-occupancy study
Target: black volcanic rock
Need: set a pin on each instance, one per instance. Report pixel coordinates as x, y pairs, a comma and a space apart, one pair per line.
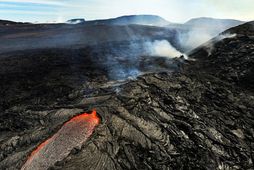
230, 59
245, 29
197, 118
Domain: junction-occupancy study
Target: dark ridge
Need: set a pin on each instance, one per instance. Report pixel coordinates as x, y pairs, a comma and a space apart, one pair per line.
133, 19
245, 29
6, 23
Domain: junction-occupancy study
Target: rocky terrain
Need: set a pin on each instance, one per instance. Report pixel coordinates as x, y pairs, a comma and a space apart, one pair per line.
198, 117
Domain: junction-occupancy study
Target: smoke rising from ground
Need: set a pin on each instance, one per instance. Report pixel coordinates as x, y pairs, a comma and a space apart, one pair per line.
224, 36
210, 44
198, 31
163, 48
193, 39
130, 59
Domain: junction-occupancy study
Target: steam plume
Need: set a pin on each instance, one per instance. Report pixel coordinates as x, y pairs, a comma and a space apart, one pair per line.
210, 44
163, 48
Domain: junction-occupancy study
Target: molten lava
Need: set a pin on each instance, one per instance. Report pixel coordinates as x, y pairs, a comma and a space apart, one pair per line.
71, 135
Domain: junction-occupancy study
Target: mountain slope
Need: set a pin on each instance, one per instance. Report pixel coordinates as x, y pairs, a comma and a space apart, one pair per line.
39, 36
232, 58
199, 30
133, 19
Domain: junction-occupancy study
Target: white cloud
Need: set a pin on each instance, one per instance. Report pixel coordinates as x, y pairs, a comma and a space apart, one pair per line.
26, 12
45, 2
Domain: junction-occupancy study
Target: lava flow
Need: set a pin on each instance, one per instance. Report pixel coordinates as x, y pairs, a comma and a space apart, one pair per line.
71, 135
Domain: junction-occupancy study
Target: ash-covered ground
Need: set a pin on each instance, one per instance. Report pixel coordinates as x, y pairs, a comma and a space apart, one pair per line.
190, 114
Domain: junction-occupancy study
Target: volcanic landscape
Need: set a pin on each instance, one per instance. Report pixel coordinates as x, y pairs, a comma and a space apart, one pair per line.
125, 94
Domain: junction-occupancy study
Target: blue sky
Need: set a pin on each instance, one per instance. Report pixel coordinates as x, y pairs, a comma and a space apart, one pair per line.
172, 10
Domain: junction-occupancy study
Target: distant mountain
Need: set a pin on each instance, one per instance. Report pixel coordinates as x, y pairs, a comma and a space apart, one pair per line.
212, 23
206, 21
133, 19
199, 30
6, 22
76, 21
187, 36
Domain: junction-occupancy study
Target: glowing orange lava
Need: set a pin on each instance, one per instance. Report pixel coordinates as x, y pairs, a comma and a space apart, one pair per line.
73, 133
39, 148
92, 118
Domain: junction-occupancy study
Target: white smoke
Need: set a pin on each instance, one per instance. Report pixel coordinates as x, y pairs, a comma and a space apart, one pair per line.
130, 59
194, 38
210, 44
163, 48
224, 36
195, 34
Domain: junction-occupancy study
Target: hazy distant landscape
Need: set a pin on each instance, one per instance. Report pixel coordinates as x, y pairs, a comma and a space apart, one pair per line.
127, 28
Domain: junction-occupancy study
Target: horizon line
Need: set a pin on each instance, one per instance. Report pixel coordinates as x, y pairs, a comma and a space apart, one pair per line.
122, 16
